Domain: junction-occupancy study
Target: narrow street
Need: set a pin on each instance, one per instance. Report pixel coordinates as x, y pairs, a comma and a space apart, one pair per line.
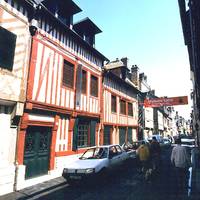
126, 184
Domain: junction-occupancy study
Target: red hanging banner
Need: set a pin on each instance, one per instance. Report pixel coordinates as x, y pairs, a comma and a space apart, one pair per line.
164, 101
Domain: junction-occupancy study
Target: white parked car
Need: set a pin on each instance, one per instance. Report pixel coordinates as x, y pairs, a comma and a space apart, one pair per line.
95, 161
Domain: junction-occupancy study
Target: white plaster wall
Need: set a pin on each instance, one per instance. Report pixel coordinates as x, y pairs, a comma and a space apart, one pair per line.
7, 154
148, 117
22, 183
134, 134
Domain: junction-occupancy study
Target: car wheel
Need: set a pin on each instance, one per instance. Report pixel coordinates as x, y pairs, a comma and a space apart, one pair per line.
71, 182
102, 175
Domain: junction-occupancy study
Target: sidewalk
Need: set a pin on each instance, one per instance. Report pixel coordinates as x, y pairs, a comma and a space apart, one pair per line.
196, 173
36, 191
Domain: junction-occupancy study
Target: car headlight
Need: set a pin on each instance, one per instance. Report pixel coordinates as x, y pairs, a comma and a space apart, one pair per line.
90, 170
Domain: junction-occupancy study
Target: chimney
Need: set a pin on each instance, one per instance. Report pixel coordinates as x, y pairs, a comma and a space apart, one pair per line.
153, 92
125, 61
141, 76
135, 75
145, 78
141, 80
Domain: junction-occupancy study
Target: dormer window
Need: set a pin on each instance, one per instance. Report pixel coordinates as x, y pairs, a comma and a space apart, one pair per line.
89, 39
87, 30
63, 10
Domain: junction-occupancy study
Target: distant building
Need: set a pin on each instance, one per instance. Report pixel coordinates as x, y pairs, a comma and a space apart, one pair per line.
120, 104
151, 120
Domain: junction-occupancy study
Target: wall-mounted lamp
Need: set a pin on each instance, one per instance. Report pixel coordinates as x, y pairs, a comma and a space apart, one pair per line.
33, 27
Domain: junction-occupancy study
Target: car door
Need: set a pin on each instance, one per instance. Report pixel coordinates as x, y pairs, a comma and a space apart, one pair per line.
122, 155
114, 157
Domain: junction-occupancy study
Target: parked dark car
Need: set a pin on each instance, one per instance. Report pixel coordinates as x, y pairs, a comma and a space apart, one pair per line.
131, 147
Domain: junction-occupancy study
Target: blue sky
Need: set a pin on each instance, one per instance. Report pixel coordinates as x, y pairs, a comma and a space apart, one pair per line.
149, 33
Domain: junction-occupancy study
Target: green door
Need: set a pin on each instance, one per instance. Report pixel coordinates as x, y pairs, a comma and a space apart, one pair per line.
36, 151
122, 135
130, 138
106, 135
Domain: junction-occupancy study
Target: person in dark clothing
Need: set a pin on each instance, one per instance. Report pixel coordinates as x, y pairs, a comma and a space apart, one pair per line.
155, 152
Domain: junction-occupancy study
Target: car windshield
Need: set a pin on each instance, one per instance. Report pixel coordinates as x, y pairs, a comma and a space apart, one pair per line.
95, 153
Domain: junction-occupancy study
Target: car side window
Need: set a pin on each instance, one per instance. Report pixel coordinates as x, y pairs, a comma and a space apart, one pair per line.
112, 152
119, 150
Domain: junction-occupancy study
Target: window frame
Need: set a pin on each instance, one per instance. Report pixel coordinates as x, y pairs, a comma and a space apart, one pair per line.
113, 107
7, 54
130, 112
84, 90
85, 135
125, 109
96, 93
69, 64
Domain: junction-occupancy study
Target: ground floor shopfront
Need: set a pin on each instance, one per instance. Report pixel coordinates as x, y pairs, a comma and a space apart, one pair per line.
119, 134
46, 143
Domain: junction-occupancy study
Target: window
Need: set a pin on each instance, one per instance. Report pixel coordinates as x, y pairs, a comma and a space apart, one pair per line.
84, 82
83, 129
113, 151
113, 103
130, 109
85, 133
94, 86
7, 48
123, 107
119, 150
68, 74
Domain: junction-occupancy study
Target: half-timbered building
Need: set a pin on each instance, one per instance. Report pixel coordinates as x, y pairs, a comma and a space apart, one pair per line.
54, 100
120, 110
14, 60
62, 112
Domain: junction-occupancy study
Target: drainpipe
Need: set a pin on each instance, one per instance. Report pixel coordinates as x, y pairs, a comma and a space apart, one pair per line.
194, 63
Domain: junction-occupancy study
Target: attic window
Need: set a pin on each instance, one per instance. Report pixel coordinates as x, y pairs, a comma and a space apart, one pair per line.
7, 48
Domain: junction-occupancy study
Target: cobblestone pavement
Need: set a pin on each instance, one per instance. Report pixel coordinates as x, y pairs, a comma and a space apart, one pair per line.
124, 184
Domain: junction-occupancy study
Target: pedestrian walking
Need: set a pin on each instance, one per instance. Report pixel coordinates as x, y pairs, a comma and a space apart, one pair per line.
181, 161
155, 152
144, 155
